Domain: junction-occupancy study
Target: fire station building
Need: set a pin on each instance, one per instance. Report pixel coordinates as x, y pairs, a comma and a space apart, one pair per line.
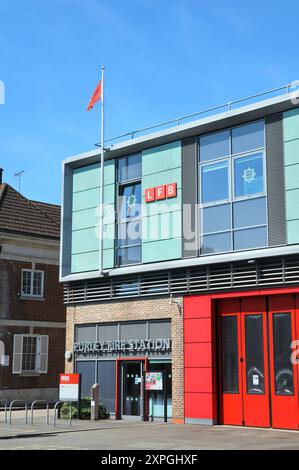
200, 273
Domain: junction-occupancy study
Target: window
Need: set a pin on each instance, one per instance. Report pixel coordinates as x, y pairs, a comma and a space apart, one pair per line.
32, 283
216, 243
248, 137
229, 339
30, 354
214, 146
129, 168
233, 204
129, 211
249, 175
283, 367
214, 182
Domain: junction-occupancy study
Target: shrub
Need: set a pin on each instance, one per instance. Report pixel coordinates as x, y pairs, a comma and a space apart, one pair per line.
85, 410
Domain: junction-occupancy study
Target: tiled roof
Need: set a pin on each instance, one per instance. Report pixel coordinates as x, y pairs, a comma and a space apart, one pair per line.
26, 217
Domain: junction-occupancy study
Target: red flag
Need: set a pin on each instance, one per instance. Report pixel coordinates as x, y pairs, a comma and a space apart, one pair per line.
97, 94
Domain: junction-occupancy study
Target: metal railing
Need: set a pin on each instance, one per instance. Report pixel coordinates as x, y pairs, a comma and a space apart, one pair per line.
290, 87
32, 408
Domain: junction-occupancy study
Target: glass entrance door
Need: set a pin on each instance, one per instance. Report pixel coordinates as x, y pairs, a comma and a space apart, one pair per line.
132, 389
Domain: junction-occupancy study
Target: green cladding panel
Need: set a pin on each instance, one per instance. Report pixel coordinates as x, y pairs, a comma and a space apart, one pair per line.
162, 220
291, 162
85, 217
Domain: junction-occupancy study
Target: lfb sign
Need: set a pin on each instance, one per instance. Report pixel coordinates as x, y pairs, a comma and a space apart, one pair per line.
166, 191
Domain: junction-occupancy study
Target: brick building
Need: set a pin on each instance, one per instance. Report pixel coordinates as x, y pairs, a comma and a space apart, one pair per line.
200, 272
32, 314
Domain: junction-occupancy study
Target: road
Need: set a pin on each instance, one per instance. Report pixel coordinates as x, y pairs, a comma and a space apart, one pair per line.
150, 436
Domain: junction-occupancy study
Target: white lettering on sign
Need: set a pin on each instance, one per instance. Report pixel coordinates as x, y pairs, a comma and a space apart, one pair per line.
94, 347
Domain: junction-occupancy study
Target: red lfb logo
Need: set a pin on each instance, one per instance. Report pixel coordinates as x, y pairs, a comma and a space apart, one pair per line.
165, 191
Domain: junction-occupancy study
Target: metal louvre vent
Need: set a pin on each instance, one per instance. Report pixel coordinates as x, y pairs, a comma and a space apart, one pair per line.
263, 273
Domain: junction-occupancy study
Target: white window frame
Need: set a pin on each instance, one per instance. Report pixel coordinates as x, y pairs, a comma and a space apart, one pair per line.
42, 352
32, 295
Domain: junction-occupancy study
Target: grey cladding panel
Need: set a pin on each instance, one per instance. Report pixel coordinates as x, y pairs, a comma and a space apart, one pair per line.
275, 180
189, 192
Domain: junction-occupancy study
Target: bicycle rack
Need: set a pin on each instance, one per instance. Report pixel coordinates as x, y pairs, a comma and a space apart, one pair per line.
55, 409
32, 407
10, 409
5, 411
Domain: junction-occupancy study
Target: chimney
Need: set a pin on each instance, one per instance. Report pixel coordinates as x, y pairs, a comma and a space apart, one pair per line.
1, 173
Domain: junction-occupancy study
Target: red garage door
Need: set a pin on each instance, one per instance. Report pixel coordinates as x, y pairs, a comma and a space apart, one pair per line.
258, 379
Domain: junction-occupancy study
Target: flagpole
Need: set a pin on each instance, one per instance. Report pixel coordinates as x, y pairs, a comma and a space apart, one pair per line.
102, 177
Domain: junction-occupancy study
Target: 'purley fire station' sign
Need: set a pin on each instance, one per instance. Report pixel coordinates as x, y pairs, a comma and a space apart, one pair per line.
142, 345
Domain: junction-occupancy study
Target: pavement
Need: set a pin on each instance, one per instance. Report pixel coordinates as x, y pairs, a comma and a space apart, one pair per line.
134, 435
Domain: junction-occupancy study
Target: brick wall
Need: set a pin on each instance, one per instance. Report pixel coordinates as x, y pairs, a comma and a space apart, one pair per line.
12, 306
130, 310
49, 309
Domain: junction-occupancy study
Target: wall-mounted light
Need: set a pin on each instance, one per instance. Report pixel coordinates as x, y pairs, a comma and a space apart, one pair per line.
68, 355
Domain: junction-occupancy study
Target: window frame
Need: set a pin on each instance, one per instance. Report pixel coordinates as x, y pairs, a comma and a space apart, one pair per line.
38, 355
32, 272
126, 220
231, 189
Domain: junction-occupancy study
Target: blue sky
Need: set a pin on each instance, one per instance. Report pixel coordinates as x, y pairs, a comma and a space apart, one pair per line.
163, 59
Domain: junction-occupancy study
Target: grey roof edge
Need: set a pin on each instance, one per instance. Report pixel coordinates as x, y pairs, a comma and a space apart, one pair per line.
247, 255
211, 123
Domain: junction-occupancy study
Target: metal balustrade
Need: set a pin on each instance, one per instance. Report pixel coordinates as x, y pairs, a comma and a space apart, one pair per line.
228, 106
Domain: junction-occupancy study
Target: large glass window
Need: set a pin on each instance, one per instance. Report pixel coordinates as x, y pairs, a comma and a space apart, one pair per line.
216, 243
214, 182
248, 137
249, 175
216, 218
129, 210
214, 146
249, 212
232, 192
